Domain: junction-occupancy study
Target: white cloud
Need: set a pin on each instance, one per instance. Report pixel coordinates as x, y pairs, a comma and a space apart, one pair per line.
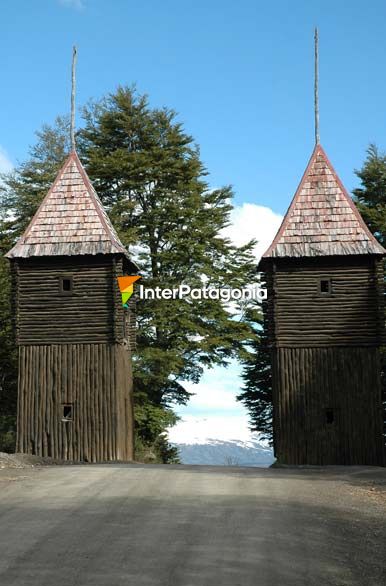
77, 4
212, 397
5, 162
253, 221
216, 392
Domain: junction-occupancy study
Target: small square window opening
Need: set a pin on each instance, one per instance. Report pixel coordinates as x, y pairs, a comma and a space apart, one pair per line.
67, 413
65, 285
325, 286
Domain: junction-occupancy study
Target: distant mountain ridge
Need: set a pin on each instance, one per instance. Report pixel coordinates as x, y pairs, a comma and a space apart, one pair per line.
217, 452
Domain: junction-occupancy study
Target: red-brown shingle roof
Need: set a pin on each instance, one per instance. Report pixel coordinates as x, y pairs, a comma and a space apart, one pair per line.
70, 220
322, 219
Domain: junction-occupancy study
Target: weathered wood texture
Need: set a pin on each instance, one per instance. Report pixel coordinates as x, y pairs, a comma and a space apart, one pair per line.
309, 382
96, 380
325, 356
73, 349
91, 313
299, 316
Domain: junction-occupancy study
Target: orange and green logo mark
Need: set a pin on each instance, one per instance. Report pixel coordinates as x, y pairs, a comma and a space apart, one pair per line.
126, 287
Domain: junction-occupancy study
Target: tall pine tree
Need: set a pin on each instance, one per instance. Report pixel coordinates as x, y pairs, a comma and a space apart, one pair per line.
148, 173
256, 393
370, 199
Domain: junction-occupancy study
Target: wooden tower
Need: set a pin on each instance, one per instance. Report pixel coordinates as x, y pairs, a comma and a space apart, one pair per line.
325, 321
324, 274
75, 377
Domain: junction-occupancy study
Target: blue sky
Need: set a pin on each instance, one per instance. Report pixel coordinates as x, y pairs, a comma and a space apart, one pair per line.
240, 74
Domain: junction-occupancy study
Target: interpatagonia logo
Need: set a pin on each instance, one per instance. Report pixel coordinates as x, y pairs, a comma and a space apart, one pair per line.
226, 294
126, 287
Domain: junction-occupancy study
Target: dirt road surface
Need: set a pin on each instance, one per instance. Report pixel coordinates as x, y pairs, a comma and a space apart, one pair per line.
147, 525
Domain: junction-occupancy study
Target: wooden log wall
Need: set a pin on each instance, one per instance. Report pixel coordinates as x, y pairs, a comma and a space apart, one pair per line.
73, 350
119, 312
325, 356
310, 381
45, 316
96, 380
301, 317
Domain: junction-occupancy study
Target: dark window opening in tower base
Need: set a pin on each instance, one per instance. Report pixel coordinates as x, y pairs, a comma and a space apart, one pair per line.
67, 413
329, 416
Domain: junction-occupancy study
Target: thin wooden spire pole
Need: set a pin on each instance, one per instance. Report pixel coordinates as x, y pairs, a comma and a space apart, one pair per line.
73, 90
316, 87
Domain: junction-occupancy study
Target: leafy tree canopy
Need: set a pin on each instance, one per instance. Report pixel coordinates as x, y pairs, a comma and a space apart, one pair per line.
256, 393
370, 197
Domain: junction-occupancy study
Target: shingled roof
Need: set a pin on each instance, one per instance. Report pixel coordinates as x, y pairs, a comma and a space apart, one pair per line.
70, 220
322, 219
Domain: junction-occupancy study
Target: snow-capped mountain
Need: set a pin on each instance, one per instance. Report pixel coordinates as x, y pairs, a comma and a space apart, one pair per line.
226, 452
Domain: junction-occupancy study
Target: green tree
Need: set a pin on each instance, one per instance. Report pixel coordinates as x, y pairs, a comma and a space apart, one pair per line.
370, 199
256, 393
148, 173
8, 363
22, 190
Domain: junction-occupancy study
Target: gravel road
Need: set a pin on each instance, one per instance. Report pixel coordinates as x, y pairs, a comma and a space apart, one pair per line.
145, 525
